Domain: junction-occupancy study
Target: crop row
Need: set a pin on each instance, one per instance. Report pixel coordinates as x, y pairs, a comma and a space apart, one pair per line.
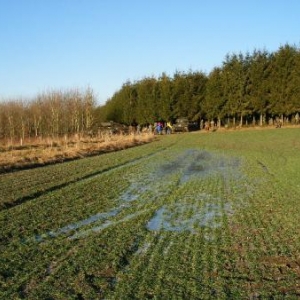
22, 186
210, 217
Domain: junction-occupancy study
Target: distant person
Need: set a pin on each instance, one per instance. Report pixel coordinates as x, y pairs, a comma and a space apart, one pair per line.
159, 128
169, 128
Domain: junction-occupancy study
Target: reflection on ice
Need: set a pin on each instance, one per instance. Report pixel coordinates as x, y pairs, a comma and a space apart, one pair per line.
90, 220
79, 224
175, 219
104, 225
156, 222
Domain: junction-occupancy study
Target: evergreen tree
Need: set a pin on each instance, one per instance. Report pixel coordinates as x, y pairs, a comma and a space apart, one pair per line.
259, 84
285, 81
235, 75
215, 100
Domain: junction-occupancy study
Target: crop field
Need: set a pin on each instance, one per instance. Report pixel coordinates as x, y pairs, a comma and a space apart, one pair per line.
189, 216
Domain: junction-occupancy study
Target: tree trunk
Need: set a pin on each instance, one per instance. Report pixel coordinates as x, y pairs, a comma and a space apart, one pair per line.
261, 119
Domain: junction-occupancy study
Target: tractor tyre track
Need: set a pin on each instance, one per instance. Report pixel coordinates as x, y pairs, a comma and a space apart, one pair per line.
22, 200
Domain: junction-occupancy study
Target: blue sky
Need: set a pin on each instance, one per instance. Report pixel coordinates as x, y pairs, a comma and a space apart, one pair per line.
65, 44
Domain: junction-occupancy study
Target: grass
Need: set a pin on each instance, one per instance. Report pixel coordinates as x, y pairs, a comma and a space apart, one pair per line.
38, 152
225, 207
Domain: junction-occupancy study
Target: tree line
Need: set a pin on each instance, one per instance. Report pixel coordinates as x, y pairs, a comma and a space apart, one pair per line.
247, 89
49, 114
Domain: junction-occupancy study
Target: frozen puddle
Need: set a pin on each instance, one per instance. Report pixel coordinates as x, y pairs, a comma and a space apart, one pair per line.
74, 226
196, 164
107, 224
156, 183
175, 218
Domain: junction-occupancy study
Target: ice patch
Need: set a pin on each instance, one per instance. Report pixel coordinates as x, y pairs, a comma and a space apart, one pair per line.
159, 182
107, 224
179, 218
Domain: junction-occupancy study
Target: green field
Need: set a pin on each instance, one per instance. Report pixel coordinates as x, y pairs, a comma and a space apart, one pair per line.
189, 216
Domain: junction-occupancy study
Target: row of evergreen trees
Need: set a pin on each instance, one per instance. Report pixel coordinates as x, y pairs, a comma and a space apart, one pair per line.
247, 89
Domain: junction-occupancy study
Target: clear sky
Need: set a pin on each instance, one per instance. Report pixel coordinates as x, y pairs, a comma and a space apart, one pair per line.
64, 44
